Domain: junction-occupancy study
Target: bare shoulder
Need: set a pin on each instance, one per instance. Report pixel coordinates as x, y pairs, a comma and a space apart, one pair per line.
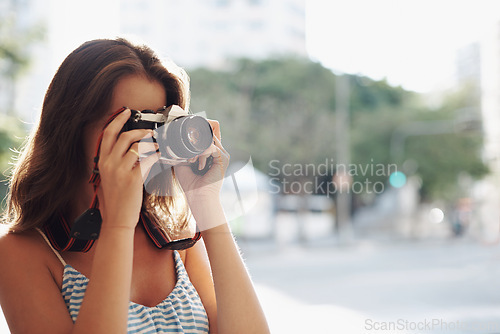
27, 252
29, 294
22, 253
27, 247
16, 246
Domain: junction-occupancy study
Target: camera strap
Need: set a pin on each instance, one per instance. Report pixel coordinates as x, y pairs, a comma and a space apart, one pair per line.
58, 231
80, 237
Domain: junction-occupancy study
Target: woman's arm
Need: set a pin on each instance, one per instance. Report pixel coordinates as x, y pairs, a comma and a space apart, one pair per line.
29, 295
238, 308
31, 299
105, 305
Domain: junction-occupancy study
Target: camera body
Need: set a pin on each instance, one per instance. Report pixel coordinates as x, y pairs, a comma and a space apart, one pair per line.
180, 136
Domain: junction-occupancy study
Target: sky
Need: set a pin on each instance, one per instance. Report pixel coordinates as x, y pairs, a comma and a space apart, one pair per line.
411, 43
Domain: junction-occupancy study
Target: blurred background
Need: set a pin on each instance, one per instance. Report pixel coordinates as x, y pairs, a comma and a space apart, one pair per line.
364, 138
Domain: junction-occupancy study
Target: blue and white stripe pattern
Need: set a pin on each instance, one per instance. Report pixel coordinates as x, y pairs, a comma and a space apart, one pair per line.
181, 312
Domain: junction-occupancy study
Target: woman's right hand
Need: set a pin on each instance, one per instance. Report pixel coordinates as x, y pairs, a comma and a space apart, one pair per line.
121, 188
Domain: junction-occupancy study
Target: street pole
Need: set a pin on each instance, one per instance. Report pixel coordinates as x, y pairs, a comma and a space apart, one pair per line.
342, 136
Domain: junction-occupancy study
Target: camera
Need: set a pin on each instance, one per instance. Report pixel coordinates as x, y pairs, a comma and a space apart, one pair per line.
180, 136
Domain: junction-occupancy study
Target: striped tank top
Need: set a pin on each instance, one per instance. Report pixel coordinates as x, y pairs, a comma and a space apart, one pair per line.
181, 312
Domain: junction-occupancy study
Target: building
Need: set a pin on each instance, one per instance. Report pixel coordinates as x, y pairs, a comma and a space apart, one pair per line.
469, 63
193, 33
490, 92
208, 32
481, 64
468, 71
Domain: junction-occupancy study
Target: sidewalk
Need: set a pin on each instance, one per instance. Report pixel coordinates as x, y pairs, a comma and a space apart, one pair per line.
287, 315
346, 288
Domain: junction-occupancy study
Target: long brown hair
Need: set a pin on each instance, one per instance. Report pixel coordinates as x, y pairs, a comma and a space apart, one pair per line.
80, 93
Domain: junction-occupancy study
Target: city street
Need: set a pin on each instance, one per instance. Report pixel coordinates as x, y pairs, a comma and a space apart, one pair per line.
372, 285
367, 286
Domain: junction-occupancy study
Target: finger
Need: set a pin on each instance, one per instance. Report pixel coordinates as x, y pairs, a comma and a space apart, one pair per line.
147, 147
111, 132
211, 151
215, 127
202, 161
218, 144
146, 164
132, 156
221, 154
135, 152
126, 139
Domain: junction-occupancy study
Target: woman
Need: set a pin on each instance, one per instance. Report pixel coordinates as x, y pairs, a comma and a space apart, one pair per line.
118, 283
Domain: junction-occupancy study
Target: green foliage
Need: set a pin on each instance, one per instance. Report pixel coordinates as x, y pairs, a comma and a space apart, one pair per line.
443, 158
275, 109
284, 109
368, 95
12, 134
15, 43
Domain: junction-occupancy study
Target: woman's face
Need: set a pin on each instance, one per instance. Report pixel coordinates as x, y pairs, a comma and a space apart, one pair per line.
139, 93
134, 92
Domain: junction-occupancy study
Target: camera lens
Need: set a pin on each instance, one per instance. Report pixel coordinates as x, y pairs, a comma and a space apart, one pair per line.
197, 133
188, 136
193, 135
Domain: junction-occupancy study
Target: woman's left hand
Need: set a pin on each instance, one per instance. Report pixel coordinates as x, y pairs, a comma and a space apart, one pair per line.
205, 187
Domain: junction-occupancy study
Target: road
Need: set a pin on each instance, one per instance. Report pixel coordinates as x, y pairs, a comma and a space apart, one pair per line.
433, 286
373, 285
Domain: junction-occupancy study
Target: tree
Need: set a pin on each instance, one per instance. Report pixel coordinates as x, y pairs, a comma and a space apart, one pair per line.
284, 110
16, 41
277, 109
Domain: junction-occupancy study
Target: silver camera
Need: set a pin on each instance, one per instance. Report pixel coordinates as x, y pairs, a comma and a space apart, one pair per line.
180, 136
